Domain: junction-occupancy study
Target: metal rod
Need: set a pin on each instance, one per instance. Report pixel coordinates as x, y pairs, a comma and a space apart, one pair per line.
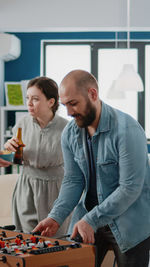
128, 24
116, 39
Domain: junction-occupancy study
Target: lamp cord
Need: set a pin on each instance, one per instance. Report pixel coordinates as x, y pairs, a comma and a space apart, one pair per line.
128, 24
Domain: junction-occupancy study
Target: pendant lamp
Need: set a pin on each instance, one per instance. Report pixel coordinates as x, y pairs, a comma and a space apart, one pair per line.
129, 79
115, 94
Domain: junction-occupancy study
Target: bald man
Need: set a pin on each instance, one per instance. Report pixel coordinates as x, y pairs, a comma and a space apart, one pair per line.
107, 176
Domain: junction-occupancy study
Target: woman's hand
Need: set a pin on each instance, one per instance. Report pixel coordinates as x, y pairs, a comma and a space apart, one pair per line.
4, 163
12, 144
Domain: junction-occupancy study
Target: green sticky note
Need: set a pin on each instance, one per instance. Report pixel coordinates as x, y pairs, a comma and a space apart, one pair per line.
14, 94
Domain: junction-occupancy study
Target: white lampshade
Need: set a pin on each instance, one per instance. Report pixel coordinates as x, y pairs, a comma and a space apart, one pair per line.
113, 93
129, 80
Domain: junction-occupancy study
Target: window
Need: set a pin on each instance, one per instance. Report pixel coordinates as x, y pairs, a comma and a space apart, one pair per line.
110, 64
61, 59
101, 59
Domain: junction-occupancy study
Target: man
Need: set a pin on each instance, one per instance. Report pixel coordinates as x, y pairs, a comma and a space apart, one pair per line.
107, 176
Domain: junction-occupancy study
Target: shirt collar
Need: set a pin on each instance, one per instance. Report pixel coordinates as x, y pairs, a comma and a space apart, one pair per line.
104, 121
50, 123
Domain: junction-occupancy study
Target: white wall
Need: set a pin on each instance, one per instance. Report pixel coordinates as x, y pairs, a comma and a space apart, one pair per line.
55, 15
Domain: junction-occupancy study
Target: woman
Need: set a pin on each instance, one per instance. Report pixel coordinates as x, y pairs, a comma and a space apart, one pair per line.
42, 172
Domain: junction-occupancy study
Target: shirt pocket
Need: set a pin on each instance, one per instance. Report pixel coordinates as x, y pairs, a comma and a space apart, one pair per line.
109, 173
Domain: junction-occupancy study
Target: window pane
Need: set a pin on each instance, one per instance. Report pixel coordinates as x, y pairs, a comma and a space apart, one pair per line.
110, 63
61, 59
147, 91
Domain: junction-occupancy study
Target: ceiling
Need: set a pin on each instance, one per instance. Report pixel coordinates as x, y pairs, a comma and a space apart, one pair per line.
70, 15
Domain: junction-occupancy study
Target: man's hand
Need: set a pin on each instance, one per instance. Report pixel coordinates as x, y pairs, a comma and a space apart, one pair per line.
47, 227
85, 231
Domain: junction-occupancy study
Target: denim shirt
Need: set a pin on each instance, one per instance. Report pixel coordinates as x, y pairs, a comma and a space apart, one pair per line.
122, 173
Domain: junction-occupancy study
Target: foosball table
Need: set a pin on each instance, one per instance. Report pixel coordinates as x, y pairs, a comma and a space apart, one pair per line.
31, 250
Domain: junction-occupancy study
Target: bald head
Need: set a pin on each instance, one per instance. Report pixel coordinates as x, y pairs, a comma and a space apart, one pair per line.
79, 83
81, 79
78, 91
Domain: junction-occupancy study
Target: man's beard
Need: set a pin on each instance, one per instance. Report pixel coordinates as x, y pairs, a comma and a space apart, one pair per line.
84, 121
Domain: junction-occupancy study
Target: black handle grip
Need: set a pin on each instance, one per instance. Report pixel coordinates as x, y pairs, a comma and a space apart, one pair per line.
36, 233
78, 238
8, 227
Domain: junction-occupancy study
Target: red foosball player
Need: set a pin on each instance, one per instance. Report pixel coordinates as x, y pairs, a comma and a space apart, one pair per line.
33, 238
17, 251
2, 243
18, 241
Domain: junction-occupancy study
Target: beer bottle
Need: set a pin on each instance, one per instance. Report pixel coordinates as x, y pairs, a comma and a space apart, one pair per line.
18, 157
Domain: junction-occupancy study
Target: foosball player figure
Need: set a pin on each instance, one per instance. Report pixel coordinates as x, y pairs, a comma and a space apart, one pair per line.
34, 239
17, 251
24, 245
41, 244
2, 243
8, 248
49, 244
18, 241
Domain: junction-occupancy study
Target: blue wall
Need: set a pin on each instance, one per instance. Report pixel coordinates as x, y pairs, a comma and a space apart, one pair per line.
27, 65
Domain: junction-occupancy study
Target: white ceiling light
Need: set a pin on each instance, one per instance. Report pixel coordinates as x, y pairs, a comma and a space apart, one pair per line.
115, 94
129, 79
